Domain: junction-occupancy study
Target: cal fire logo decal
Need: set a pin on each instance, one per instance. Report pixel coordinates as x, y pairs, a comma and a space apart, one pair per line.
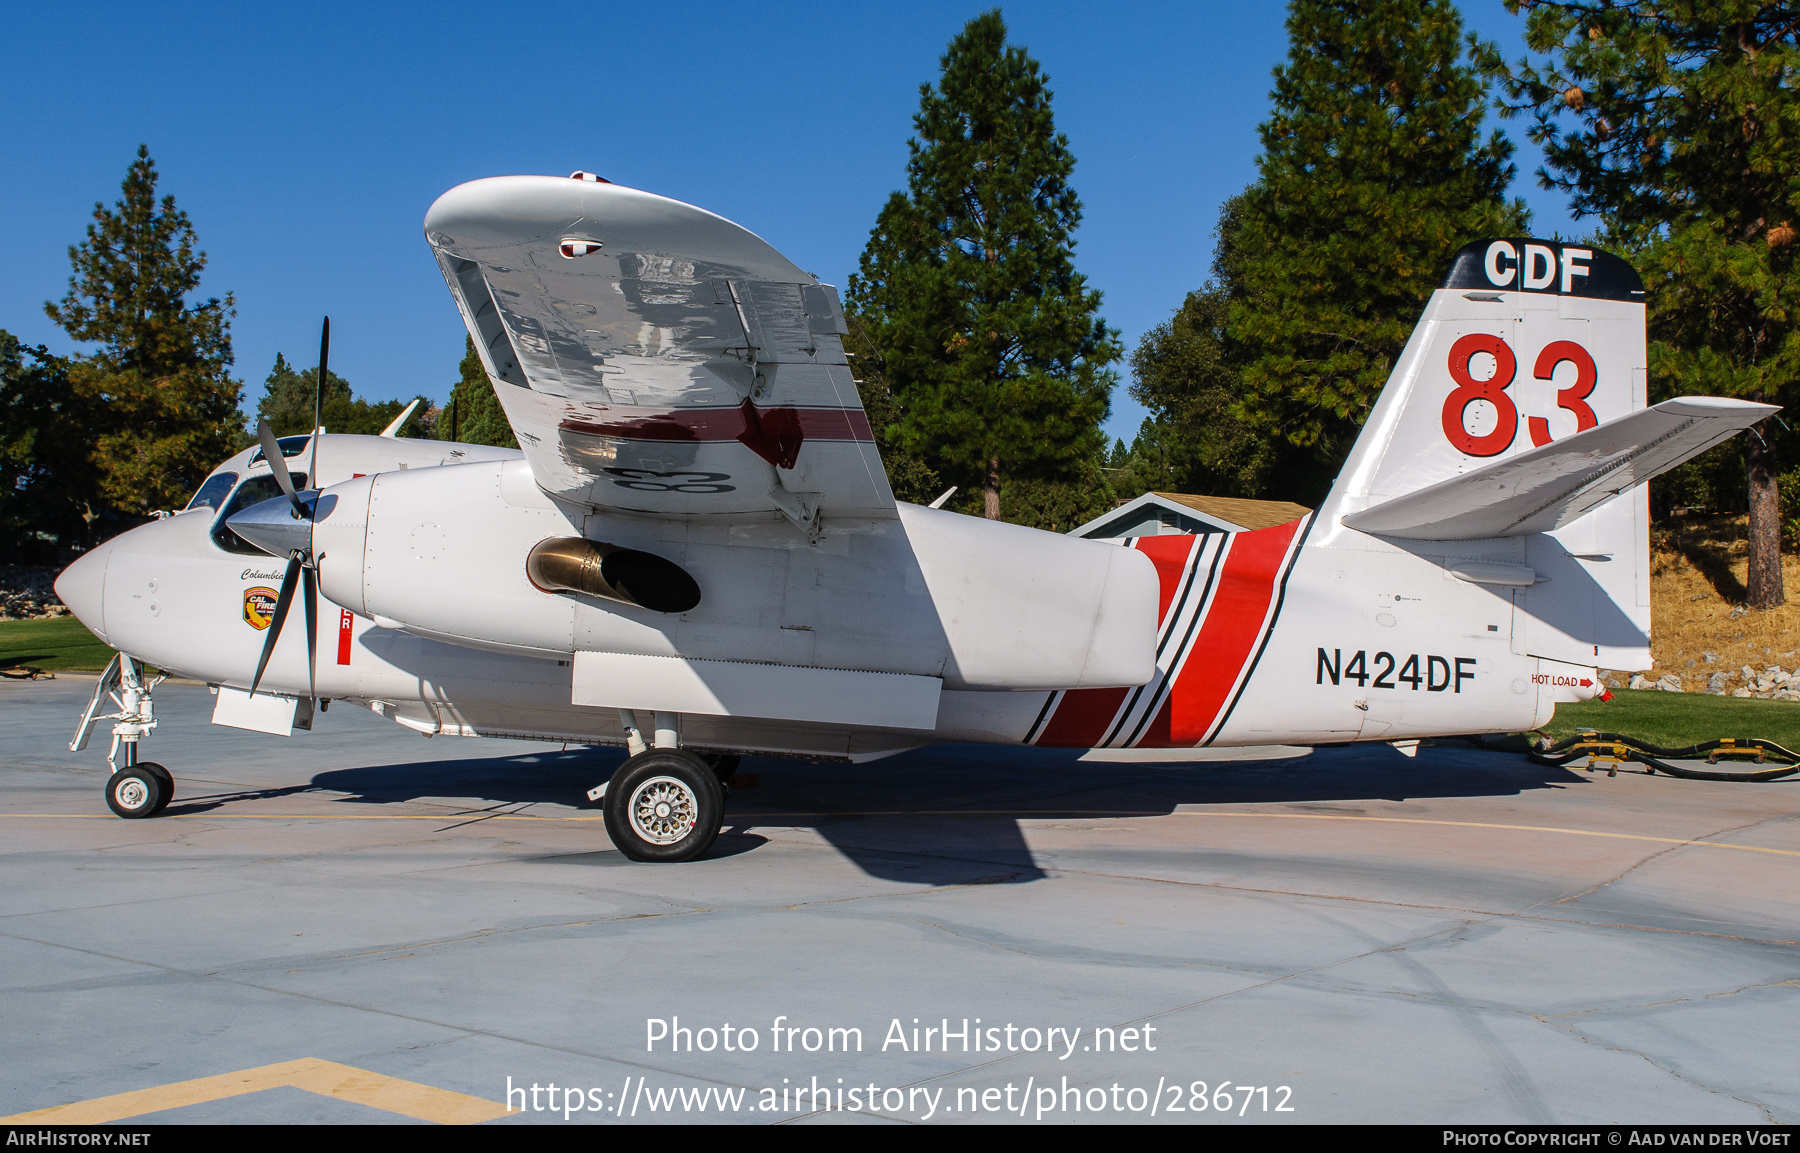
259, 607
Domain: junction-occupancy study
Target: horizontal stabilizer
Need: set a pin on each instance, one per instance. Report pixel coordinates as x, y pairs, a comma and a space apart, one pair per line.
1546, 488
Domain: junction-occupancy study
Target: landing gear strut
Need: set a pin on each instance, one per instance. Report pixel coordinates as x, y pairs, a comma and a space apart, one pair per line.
136, 788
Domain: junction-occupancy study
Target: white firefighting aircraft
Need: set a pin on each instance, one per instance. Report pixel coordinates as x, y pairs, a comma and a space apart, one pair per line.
697, 555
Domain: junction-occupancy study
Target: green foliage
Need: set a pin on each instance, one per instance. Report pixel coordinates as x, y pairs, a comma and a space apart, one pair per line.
47, 477
908, 475
1677, 124
989, 339
474, 415
287, 405
1374, 172
1052, 505
1186, 372
158, 405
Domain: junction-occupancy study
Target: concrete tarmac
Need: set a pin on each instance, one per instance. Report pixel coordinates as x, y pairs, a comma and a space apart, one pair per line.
382, 927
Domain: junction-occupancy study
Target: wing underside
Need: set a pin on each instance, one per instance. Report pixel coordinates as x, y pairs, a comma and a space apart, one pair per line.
653, 357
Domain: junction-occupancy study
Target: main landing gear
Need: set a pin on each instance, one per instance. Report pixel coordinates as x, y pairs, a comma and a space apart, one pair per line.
663, 803
136, 788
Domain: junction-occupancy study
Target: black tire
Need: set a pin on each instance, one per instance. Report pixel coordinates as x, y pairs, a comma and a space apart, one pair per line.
168, 781
136, 792
664, 805
724, 765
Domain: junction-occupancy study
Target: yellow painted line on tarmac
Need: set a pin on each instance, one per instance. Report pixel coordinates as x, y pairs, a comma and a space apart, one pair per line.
753, 818
326, 1078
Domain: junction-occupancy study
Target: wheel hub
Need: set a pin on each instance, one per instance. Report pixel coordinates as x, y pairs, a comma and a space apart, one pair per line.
132, 794
663, 810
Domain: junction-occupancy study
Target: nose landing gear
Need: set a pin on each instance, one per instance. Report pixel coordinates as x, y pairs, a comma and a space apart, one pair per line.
135, 789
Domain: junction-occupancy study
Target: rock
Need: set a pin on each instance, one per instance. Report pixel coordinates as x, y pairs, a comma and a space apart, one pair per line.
1717, 683
1710, 658
1785, 695
26, 593
1639, 681
1669, 683
1742, 693
1748, 673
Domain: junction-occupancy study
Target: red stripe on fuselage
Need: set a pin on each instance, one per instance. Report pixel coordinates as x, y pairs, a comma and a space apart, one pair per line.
1081, 718
1083, 715
1170, 556
1205, 677
1228, 635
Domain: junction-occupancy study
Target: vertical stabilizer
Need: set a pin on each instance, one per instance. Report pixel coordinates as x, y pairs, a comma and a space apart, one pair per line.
1526, 342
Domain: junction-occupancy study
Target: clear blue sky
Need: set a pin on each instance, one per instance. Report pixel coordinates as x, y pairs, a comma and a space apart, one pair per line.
306, 141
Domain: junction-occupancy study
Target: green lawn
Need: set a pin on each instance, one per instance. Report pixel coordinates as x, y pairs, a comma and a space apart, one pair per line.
60, 644
1671, 719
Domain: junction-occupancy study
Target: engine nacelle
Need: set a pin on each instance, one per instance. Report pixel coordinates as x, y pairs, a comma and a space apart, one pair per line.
478, 555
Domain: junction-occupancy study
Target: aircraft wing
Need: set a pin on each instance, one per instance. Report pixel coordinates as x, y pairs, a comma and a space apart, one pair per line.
1547, 487
654, 357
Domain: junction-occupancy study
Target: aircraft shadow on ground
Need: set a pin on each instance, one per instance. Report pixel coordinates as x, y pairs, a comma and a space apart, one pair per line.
950, 815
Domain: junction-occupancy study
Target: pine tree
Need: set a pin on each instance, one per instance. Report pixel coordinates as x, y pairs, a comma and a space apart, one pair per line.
1373, 174
287, 404
163, 407
1186, 372
908, 475
1678, 125
990, 340
474, 415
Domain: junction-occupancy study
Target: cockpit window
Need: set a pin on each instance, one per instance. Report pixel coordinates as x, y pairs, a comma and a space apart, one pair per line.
253, 491
290, 446
212, 494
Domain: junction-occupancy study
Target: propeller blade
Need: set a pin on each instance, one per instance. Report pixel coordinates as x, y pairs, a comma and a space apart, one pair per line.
309, 592
277, 465
283, 602
319, 397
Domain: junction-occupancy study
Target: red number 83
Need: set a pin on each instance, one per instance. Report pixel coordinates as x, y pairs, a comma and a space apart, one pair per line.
1493, 390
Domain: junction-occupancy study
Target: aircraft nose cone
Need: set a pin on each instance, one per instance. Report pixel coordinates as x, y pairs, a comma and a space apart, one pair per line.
275, 527
82, 587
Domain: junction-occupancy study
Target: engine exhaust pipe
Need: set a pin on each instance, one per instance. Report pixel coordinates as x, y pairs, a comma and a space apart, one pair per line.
597, 569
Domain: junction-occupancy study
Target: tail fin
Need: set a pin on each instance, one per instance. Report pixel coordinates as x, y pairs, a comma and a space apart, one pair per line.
1514, 429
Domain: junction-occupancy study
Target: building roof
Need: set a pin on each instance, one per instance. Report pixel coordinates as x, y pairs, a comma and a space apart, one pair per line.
1239, 511
1217, 513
